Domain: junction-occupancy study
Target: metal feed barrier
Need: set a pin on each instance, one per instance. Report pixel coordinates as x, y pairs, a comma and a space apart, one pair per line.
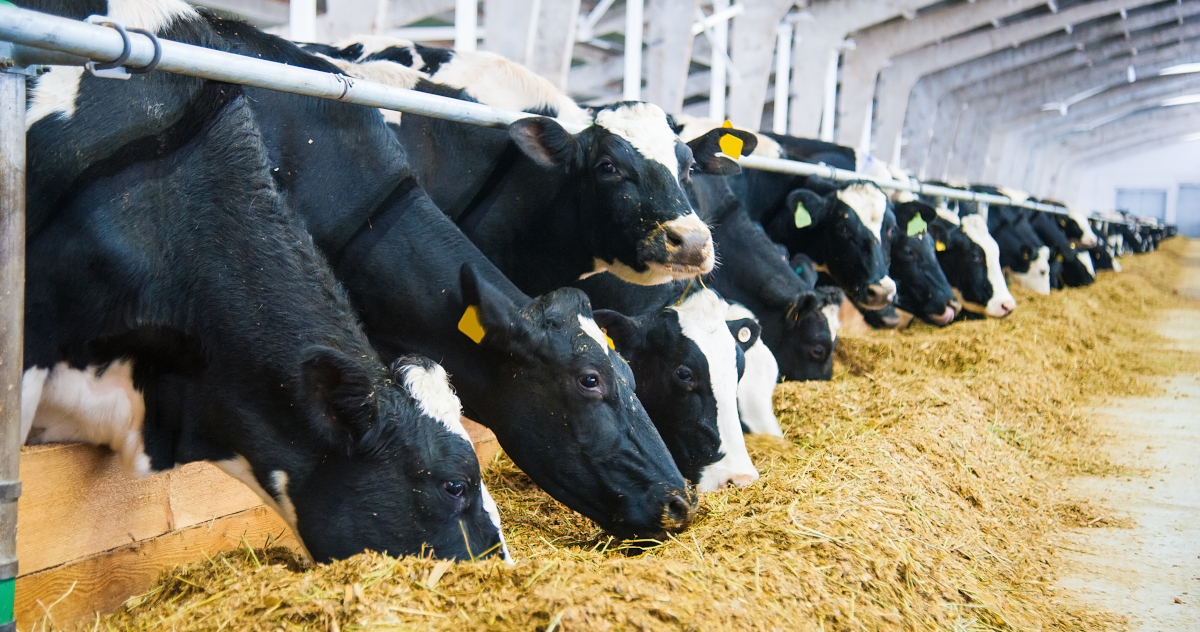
29, 39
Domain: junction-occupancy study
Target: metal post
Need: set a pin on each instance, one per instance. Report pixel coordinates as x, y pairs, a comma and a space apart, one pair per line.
302, 20
829, 108
634, 23
783, 76
12, 319
719, 74
466, 21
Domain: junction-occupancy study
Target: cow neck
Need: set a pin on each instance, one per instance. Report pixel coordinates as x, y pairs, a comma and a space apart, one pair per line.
470, 217
377, 225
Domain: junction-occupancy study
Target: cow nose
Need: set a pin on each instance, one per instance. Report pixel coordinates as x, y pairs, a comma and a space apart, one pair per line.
880, 295
678, 513
1006, 308
689, 243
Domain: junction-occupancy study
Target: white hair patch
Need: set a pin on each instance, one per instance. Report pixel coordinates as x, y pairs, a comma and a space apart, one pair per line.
869, 203
645, 126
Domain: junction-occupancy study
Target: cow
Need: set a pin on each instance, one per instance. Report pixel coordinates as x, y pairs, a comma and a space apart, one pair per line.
922, 287
1074, 267
547, 206
1023, 254
970, 258
537, 371
177, 311
756, 388
686, 364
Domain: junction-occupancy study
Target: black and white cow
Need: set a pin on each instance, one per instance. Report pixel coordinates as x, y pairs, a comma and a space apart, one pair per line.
687, 366
177, 311
536, 371
1023, 255
970, 258
756, 388
1074, 267
547, 206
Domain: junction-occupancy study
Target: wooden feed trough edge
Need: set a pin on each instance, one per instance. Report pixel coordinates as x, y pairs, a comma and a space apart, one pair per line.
89, 536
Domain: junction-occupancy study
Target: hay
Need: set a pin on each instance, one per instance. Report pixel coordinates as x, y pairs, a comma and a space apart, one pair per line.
916, 491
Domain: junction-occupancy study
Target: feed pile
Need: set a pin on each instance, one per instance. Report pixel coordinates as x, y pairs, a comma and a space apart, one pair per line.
916, 491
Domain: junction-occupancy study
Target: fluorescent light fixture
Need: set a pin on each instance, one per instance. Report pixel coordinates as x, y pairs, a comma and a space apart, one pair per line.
1189, 138
1187, 99
1181, 69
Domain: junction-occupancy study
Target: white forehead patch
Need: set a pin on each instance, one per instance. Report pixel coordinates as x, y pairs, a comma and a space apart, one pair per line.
944, 212
702, 318
1017, 196
869, 203
831, 317
431, 388
645, 126
592, 329
975, 228
1085, 258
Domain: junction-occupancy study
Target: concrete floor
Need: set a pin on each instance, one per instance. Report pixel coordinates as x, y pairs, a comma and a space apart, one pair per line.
1150, 572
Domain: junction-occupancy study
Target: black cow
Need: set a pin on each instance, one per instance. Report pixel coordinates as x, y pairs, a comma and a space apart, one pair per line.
177, 311
687, 365
536, 371
922, 287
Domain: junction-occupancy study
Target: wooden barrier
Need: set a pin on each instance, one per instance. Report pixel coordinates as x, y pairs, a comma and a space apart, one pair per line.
89, 536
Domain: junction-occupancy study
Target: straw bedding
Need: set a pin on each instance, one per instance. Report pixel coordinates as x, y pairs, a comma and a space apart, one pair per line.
917, 490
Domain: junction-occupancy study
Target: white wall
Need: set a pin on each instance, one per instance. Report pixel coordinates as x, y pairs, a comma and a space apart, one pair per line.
1157, 168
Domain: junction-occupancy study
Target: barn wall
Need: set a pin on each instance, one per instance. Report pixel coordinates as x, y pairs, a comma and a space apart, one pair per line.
1160, 168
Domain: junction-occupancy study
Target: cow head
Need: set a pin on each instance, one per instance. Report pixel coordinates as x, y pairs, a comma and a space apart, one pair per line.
809, 356
842, 230
602, 456
687, 368
1078, 228
1024, 257
629, 167
971, 260
922, 288
397, 473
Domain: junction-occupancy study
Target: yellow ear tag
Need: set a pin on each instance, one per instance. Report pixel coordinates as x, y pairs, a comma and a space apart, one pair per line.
916, 226
470, 324
730, 145
608, 340
941, 247
802, 217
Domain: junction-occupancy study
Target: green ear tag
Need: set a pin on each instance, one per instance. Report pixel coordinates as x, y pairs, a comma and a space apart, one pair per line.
798, 270
802, 217
916, 226
470, 324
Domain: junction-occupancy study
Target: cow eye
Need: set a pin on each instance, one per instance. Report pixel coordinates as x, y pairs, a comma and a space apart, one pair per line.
977, 258
455, 488
685, 374
590, 382
606, 167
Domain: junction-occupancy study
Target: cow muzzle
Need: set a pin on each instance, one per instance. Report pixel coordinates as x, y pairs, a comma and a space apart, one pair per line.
945, 318
878, 295
686, 245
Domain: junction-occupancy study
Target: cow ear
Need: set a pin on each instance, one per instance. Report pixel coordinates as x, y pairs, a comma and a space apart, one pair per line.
486, 309
804, 305
806, 207
545, 142
339, 390
706, 147
745, 331
622, 330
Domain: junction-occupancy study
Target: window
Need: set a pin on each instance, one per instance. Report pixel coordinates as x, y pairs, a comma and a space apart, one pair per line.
1187, 207
1143, 202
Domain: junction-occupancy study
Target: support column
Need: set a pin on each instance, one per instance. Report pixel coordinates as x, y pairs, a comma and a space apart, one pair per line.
668, 52
12, 321
752, 47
